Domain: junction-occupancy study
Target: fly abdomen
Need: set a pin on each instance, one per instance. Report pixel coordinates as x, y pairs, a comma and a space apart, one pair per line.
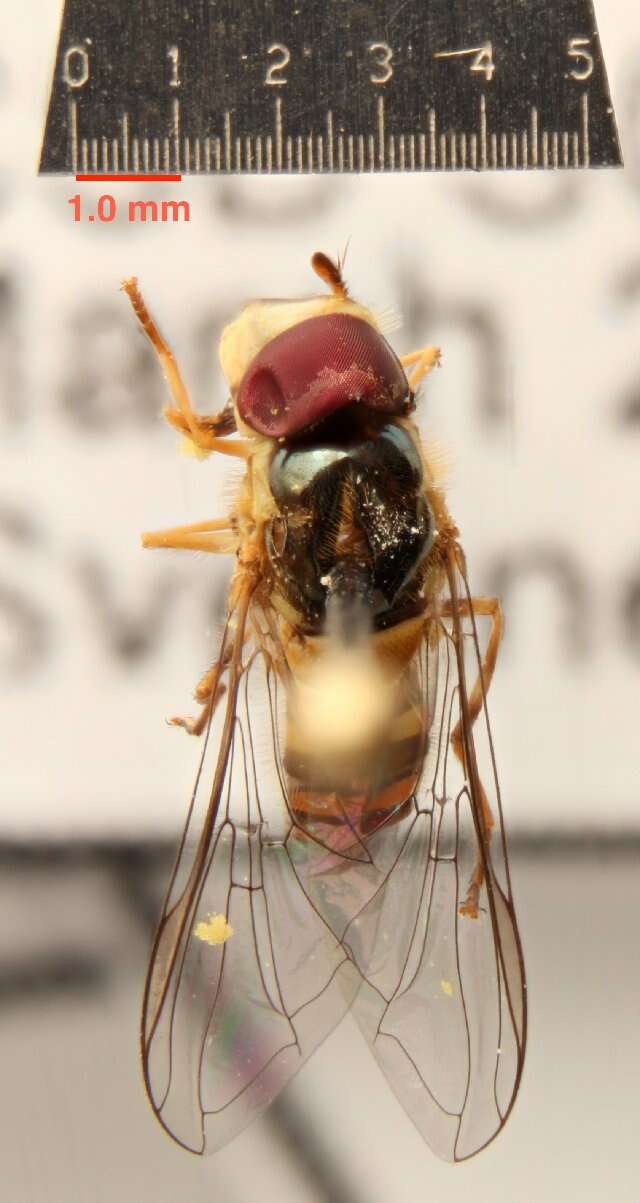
357, 733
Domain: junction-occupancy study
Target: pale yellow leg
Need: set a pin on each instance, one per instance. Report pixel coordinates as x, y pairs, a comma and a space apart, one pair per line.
203, 431
425, 359
485, 607
216, 535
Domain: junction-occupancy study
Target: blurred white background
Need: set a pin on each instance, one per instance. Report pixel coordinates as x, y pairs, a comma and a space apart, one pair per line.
531, 285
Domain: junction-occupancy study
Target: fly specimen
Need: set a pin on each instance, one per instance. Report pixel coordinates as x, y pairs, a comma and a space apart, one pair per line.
344, 849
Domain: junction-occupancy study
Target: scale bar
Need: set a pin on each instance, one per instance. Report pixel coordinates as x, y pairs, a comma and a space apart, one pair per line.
115, 177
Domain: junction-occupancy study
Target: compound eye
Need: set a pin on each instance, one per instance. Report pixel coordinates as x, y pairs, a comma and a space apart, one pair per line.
316, 368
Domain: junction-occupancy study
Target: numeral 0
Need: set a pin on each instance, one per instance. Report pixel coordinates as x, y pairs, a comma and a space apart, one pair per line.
75, 67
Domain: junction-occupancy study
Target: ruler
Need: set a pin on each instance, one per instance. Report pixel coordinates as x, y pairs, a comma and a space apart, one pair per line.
299, 86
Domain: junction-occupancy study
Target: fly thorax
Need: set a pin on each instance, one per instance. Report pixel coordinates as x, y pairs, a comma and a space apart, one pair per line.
353, 525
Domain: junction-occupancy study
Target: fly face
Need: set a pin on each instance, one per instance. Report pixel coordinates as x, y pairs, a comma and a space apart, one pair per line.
345, 847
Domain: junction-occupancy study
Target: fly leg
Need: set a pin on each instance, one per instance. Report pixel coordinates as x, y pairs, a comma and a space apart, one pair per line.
216, 535
481, 607
206, 433
424, 360
210, 688
208, 692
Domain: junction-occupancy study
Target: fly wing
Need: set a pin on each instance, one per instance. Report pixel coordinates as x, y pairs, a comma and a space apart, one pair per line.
443, 1003
246, 978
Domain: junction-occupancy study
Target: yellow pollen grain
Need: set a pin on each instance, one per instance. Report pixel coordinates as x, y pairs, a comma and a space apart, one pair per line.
446, 987
187, 447
213, 930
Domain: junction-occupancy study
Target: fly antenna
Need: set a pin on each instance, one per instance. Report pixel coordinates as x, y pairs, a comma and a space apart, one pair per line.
330, 272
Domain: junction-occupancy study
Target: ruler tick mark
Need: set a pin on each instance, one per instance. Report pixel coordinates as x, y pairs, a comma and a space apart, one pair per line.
125, 142
227, 140
176, 131
73, 125
381, 162
586, 150
534, 137
279, 133
483, 132
330, 140
432, 139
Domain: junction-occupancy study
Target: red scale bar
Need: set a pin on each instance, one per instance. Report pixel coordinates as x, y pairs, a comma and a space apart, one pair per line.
115, 179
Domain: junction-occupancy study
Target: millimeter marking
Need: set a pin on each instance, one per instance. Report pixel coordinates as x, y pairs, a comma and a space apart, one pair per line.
483, 149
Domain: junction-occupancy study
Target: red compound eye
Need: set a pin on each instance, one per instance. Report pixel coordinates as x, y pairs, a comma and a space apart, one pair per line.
315, 368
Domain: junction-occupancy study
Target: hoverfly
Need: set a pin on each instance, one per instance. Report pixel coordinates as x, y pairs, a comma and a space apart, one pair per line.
344, 846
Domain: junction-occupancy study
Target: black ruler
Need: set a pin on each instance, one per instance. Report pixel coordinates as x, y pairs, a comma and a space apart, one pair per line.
230, 86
